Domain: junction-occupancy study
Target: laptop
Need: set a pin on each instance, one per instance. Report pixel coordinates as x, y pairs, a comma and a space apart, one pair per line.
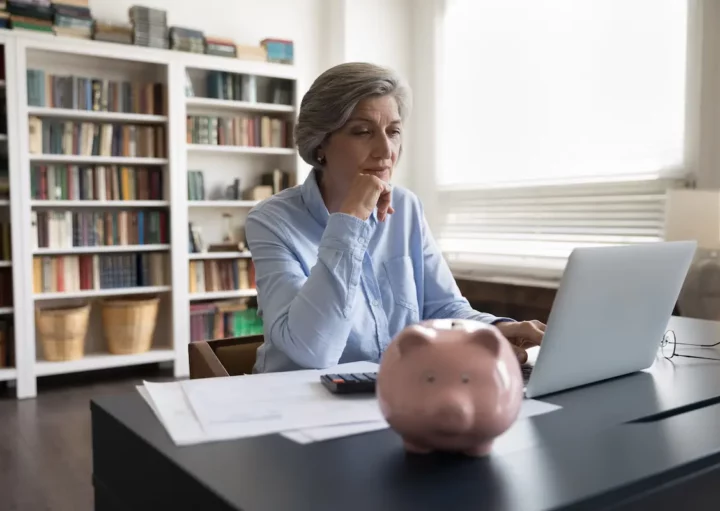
609, 314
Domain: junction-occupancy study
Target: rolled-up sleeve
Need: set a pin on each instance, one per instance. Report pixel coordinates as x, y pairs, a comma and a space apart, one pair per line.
308, 317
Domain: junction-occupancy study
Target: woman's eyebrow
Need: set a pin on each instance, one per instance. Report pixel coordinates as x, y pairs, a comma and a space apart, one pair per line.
367, 119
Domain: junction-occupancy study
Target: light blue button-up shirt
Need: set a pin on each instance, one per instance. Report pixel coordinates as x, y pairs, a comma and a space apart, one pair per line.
334, 289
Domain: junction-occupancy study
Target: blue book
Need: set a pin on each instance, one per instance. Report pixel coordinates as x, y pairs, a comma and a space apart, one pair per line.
141, 227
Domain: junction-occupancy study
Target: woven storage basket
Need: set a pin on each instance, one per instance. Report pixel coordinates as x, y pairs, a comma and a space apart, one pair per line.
62, 332
129, 324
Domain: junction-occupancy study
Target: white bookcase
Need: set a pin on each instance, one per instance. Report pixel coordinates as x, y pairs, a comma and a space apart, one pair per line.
10, 210
221, 165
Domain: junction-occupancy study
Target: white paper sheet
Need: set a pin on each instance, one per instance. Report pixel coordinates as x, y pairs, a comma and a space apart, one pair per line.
249, 407
310, 435
530, 408
294, 404
170, 403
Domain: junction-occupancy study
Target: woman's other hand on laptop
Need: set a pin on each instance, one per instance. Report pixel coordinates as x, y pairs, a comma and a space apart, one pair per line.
522, 335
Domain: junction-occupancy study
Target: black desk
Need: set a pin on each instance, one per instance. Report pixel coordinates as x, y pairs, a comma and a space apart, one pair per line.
650, 440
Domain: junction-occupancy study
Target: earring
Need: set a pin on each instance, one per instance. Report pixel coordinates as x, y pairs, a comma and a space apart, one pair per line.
321, 160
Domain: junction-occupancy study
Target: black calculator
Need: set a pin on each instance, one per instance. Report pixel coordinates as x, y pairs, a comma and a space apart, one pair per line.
350, 383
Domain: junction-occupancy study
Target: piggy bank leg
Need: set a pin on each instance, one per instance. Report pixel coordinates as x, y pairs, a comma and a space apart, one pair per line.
416, 448
480, 449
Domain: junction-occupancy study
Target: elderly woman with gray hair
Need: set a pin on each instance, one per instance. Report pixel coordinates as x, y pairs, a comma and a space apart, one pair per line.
345, 260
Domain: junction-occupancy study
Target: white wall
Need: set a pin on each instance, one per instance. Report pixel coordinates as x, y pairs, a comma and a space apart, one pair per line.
245, 21
380, 32
325, 33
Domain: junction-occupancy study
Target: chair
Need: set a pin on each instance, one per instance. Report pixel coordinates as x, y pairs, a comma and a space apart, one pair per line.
223, 357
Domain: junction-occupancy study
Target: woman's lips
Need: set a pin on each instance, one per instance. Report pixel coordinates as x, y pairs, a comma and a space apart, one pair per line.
381, 173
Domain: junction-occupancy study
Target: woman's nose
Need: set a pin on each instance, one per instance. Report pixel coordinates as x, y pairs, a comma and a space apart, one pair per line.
382, 147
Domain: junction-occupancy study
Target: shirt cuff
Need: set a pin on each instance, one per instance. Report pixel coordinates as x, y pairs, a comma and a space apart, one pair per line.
347, 233
502, 320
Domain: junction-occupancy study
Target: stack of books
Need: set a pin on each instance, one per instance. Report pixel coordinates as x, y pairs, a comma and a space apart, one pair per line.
278, 50
220, 47
113, 32
31, 15
4, 15
73, 19
187, 39
245, 52
149, 27
219, 320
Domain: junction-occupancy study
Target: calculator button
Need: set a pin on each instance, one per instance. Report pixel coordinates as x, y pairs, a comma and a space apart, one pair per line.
362, 377
350, 378
371, 376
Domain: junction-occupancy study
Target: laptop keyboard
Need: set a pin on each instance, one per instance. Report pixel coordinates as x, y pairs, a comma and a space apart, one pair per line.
526, 371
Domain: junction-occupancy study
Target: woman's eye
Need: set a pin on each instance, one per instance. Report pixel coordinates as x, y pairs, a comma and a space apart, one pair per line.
395, 133
362, 132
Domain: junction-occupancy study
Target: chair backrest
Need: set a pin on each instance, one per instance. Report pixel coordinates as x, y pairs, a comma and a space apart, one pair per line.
223, 357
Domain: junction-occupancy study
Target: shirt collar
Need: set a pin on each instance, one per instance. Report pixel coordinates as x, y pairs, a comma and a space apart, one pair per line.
315, 203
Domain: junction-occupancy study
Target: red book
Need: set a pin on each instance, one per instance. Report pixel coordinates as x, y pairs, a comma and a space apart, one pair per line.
163, 227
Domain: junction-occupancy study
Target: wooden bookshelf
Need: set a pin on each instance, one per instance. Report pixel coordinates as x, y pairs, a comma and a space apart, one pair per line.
241, 149
91, 115
224, 295
99, 204
256, 114
64, 56
96, 293
196, 256
11, 277
96, 160
8, 373
98, 361
240, 106
103, 249
222, 203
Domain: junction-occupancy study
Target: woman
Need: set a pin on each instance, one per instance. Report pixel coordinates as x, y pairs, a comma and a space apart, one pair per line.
345, 261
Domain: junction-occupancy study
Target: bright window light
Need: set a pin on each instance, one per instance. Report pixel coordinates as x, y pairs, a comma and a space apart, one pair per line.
556, 90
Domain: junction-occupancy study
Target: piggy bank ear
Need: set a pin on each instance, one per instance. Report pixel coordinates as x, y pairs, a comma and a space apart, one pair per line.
412, 340
488, 338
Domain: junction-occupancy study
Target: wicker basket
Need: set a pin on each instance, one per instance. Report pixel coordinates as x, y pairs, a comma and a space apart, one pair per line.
129, 324
62, 332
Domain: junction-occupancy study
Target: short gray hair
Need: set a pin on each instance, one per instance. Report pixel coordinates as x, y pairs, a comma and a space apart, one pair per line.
333, 96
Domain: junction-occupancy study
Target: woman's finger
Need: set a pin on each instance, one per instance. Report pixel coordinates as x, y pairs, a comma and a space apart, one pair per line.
520, 353
383, 204
539, 324
521, 331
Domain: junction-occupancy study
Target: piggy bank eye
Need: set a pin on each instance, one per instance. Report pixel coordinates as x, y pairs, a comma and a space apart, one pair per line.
465, 378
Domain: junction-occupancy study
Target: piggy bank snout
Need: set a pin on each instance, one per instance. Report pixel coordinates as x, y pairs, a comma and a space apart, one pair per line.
455, 414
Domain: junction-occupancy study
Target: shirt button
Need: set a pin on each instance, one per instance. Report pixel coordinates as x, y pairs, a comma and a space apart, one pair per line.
375, 303
361, 239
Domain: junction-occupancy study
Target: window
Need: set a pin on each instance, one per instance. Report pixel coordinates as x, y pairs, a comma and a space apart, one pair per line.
561, 94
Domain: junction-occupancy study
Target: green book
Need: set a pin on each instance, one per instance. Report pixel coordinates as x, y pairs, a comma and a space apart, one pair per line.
31, 26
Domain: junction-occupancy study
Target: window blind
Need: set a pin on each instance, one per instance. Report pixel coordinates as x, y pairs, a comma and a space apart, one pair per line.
589, 95
517, 233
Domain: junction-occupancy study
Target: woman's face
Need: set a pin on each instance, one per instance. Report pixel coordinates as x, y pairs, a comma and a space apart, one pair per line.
369, 143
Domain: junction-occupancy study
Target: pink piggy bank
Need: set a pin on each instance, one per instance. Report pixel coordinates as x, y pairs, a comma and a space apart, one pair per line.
450, 385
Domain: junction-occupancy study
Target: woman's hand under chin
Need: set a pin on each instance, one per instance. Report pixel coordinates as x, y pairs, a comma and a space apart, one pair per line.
366, 193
